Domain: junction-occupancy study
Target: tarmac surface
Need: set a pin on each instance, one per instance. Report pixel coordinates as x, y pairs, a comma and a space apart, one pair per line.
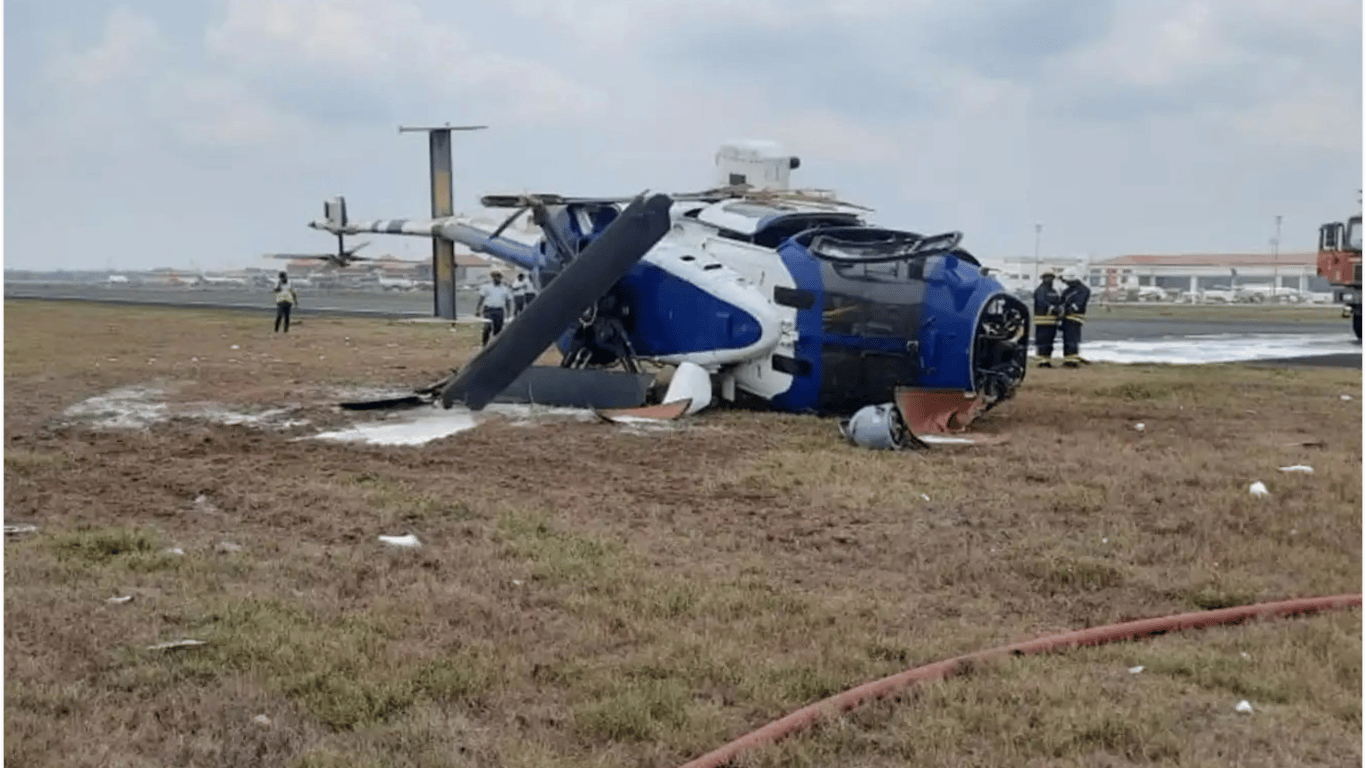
1330, 342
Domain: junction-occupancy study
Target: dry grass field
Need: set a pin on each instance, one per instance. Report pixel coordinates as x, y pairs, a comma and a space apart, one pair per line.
590, 596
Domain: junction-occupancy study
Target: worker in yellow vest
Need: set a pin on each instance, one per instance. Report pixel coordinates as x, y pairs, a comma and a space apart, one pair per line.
285, 299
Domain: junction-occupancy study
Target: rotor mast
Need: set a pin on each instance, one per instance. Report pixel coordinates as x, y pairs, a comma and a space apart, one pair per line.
443, 250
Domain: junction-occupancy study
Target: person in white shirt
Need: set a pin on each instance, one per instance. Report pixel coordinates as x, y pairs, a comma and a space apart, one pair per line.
494, 301
285, 299
520, 287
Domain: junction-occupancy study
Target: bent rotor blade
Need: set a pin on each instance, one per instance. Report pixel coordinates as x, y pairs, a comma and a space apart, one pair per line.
587, 278
508, 221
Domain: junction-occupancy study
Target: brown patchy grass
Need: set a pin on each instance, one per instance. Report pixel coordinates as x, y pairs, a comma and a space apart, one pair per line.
587, 596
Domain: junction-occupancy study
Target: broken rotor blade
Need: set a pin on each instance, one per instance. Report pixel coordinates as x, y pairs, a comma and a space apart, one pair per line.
585, 280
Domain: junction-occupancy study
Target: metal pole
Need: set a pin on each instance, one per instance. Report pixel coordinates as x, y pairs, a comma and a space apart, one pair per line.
443, 250
1276, 262
1038, 229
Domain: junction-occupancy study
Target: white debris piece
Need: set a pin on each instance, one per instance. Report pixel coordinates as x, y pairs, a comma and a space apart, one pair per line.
1308, 470
1244, 707
925, 496
228, 546
946, 439
1105, 540
175, 551
517, 582
19, 528
1258, 489
1140, 426
1244, 655
1346, 397
175, 644
117, 600
234, 346
261, 720
690, 381
1135, 670
401, 541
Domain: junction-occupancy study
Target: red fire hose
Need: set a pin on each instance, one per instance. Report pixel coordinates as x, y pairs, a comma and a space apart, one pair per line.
843, 702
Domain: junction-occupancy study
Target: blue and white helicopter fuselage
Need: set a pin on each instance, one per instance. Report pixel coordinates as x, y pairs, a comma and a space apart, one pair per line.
799, 303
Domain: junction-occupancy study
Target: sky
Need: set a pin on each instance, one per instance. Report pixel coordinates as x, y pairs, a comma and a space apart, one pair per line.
202, 134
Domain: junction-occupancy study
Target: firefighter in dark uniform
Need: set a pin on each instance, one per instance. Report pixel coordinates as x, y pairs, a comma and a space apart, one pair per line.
1075, 294
1047, 313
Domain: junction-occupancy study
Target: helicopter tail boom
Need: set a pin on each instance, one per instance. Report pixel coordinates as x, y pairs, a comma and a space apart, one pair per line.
451, 228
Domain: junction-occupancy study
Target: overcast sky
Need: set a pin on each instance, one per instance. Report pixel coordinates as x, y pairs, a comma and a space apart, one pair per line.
174, 133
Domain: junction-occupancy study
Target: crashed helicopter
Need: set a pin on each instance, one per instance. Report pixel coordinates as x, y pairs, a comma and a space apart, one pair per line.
756, 292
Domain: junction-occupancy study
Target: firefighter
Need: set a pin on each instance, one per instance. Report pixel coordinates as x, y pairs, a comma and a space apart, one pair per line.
1047, 313
1074, 298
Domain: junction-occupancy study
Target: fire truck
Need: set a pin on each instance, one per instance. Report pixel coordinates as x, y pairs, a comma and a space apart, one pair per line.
1339, 262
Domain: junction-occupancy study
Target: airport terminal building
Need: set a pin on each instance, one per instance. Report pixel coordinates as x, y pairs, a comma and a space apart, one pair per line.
1198, 276
1195, 277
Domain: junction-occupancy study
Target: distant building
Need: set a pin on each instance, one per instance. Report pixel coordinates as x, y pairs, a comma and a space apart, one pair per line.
1021, 273
471, 269
1196, 273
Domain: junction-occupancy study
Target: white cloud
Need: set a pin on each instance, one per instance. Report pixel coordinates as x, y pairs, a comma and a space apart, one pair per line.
351, 38
392, 44
1314, 116
128, 40
224, 112
978, 115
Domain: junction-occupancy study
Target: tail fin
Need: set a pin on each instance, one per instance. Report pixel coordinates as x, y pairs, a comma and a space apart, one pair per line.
334, 211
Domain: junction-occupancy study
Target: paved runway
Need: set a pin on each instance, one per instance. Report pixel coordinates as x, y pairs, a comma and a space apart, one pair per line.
1148, 340
311, 301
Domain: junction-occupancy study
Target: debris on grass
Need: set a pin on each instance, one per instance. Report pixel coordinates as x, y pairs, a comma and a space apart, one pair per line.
175, 551
186, 643
1243, 706
228, 547
261, 720
19, 528
1258, 489
142, 406
1140, 426
119, 600
1135, 670
947, 439
401, 541
1306, 469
